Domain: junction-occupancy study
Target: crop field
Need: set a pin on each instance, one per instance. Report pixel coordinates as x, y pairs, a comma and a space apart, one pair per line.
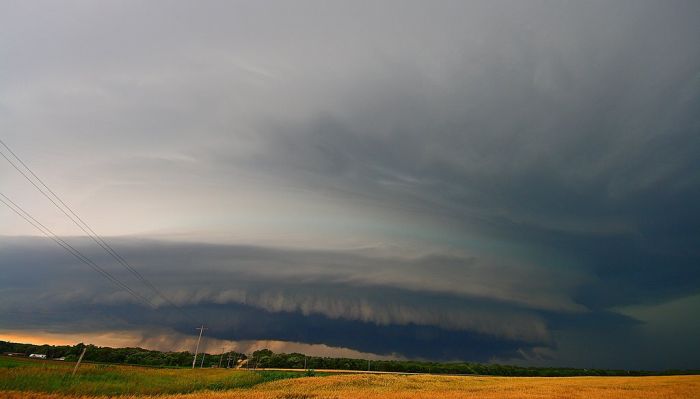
23, 379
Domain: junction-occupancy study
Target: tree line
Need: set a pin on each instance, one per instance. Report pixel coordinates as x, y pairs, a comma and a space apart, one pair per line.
133, 356
265, 358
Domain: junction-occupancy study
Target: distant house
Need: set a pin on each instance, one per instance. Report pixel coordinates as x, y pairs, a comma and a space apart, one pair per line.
37, 356
60, 358
14, 354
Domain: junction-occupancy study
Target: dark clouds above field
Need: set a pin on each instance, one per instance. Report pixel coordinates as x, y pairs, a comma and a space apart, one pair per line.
511, 181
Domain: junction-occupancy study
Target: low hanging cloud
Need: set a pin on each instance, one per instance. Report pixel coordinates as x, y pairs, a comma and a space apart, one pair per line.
333, 285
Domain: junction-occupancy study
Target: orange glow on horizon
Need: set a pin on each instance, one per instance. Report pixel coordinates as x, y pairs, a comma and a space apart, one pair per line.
115, 339
171, 341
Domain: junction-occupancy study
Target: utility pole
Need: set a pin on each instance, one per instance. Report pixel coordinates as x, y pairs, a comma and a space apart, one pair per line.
228, 361
80, 359
201, 365
222, 356
196, 350
305, 363
368, 362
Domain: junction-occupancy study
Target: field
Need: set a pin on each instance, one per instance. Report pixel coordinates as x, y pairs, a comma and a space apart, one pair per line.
23, 379
103, 379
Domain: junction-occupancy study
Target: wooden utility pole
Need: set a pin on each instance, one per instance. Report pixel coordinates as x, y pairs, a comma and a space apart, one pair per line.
196, 350
80, 359
222, 356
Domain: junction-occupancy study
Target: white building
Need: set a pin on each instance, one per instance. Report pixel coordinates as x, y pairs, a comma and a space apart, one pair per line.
37, 356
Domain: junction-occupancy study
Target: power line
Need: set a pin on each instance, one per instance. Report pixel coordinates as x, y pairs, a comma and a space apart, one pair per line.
72, 250
78, 221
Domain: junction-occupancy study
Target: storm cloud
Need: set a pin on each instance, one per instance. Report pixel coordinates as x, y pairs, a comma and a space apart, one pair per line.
493, 181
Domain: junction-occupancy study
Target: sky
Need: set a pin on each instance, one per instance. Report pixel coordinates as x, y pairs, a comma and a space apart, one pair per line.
493, 181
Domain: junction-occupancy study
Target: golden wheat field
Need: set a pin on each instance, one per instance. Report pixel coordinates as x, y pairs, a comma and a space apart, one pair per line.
448, 387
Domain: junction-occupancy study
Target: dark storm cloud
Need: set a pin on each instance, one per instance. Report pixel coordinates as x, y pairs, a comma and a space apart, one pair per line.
254, 293
383, 291
249, 293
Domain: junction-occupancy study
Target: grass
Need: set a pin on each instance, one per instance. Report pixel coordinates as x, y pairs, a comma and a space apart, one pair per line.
24, 379
102, 379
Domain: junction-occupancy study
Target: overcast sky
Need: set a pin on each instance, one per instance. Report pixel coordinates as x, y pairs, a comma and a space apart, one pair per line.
496, 181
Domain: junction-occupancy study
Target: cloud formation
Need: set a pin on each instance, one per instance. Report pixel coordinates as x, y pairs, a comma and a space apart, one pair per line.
518, 175
334, 285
